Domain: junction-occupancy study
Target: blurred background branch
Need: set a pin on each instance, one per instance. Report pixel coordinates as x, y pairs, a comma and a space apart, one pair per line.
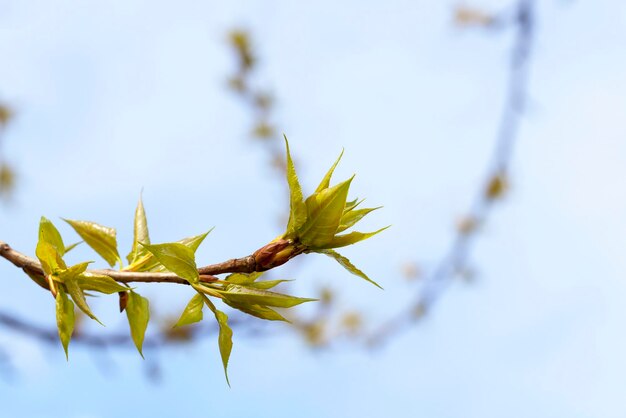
519, 18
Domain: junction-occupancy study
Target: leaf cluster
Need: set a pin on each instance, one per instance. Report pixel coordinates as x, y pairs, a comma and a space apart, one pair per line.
315, 225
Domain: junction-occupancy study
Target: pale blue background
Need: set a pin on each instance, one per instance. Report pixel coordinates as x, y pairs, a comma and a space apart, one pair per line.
116, 96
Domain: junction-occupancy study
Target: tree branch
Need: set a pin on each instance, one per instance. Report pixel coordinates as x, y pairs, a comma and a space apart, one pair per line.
236, 265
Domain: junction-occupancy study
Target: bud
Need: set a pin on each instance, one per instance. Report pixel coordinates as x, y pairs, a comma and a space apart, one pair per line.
276, 253
123, 300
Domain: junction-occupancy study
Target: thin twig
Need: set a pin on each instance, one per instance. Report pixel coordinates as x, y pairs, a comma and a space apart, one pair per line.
236, 265
455, 259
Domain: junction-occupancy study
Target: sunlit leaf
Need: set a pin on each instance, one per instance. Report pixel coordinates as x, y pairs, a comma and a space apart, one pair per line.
79, 297
148, 262
50, 234
345, 263
140, 233
259, 311
101, 238
352, 217
177, 258
324, 211
138, 313
349, 239
245, 295
243, 278
65, 318
49, 257
74, 271
192, 312
195, 241
267, 284
351, 205
325, 183
297, 208
225, 338
72, 246
99, 283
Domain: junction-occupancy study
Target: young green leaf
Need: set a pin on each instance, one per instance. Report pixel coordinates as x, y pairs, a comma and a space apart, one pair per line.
138, 313
351, 205
243, 278
324, 211
325, 183
195, 241
345, 263
267, 284
225, 338
140, 233
101, 238
72, 246
192, 312
65, 318
148, 262
78, 296
297, 208
74, 271
50, 234
349, 239
177, 258
245, 295
352, 217
260, 311
98, 283
49, 257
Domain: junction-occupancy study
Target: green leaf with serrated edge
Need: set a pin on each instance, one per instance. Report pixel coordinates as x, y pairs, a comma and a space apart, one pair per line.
243, 278
259, 311
99, 283
50, 234
49, 258
324, 211
242, 295
325, 183
140, 233
65, 318
349, 239
345, 263
101, 238
191, 242
351, 218
69, 278
73, 272
192, 312
177, 258
225, 338
138, 314
149, 263
79, 297
195, 241
72, 246
297, 208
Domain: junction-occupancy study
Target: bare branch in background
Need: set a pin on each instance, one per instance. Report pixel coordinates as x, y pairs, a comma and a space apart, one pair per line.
521, 19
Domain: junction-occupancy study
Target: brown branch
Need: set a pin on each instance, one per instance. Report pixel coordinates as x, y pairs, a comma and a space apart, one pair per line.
33, 268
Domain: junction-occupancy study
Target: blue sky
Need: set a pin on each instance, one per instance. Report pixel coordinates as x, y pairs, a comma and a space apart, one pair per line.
117, 96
